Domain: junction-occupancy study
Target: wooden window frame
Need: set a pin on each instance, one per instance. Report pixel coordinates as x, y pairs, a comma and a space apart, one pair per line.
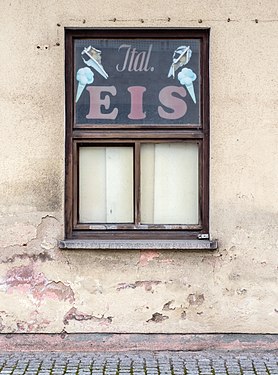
77, 136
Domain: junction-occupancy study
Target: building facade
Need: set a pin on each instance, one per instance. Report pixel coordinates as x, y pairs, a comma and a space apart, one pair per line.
45, 288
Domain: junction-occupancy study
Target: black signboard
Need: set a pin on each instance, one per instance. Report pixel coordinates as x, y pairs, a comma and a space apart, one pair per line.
137, 81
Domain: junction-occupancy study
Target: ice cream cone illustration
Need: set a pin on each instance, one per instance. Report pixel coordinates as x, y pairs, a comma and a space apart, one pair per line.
190, 89
80, 89
187, 77
84, 77
181, 57
94, 60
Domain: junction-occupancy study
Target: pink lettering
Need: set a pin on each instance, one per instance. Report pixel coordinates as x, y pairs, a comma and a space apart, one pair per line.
136, 105
96, 102
177, 105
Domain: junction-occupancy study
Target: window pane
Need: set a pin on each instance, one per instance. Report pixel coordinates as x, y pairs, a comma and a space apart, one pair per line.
169, 183
106, 184
155, 81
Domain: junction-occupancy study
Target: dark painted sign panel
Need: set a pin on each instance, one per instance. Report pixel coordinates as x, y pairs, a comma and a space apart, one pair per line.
137, 81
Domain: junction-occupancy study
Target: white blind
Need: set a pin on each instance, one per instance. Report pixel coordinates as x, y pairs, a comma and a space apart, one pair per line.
169, 183
106, 184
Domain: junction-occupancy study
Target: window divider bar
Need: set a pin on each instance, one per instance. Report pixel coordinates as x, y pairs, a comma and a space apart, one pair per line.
137, 183
127, 135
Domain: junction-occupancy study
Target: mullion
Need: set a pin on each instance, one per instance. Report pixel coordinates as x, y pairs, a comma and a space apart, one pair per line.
137, 183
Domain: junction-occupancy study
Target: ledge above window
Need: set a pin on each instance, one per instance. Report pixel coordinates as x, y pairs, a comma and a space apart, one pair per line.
76, 244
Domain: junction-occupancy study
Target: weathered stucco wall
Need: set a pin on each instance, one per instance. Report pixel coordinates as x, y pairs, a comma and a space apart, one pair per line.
44, 289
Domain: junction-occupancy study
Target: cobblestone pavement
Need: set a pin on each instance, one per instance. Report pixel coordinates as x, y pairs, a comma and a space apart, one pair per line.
140, 363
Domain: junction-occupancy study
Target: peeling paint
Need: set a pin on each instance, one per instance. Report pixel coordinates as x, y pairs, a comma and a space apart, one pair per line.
14, 233
48, 245
36, 323
147, 256
167, 306
74, 314
54, 290
157, 318
148, 285
26, 280
23, 275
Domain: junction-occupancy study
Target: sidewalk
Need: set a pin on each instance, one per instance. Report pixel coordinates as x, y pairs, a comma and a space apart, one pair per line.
140, 363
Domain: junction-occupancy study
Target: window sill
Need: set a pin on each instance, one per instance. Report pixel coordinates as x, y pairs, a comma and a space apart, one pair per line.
138, 244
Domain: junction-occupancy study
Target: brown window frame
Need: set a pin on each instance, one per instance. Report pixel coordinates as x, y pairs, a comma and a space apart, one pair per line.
133, 135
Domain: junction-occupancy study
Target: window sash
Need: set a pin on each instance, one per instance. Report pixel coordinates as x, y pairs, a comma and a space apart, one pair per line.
137, 222
157, 51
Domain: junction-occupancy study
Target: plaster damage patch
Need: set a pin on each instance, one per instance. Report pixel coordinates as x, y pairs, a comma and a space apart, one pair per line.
147, 256
74, 314
24, 279
196, 299
16, 234
35, 324
148, 285
41, 246
43, 257
55, 290
1, 324
167, 306
157, 318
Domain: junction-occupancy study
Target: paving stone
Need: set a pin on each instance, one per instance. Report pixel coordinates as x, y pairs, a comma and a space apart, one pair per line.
142, 363
7, 369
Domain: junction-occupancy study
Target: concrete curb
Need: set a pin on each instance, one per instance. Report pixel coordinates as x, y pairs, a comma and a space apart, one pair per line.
96, 342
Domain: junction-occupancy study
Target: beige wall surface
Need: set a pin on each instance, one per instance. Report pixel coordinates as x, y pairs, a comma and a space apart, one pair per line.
234, 289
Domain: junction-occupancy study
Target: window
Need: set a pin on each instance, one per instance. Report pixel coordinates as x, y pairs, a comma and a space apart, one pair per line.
137, 138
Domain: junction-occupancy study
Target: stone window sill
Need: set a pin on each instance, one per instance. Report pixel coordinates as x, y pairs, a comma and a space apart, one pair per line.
138, 244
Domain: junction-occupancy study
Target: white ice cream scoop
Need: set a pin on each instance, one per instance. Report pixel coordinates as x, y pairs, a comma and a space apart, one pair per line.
84, 76
187, 77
